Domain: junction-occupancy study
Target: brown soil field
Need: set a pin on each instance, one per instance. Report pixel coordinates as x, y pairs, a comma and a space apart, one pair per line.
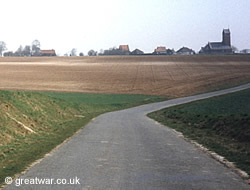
172, 76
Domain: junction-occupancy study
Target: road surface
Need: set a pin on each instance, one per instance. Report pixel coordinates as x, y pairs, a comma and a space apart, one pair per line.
127, 150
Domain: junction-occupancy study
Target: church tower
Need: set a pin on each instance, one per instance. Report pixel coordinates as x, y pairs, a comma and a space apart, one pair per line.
226, 37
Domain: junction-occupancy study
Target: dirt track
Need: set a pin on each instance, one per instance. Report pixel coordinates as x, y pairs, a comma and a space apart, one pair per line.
173, 76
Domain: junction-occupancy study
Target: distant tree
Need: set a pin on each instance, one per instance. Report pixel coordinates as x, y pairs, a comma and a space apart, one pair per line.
113, 51
81, 54
19, 52
8, 54
73, 52
101, 52
92, 53
27, 51
2, 47
35, 47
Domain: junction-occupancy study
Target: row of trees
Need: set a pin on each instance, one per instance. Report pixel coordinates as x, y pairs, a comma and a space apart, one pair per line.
110, 51
33, 50
73, 52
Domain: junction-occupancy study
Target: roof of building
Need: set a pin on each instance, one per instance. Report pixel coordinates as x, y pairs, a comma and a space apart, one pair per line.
51, 51
218, 46
184, 49
137, 51
160, 49
124, 47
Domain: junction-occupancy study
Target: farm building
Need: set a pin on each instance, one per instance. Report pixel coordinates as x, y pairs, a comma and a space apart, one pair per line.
161, 50
137, 52
124, 49
185, 51
223, 47
48, 52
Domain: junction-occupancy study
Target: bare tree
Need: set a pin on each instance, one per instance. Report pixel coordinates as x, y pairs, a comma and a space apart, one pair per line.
19, 51
73, 52
35, 48
27, 51
2, 47
101, 52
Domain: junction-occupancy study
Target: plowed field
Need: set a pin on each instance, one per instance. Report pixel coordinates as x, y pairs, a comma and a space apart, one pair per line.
172, 76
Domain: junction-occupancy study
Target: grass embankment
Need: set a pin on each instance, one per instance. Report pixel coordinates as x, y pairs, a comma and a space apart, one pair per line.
222, 124
32, 123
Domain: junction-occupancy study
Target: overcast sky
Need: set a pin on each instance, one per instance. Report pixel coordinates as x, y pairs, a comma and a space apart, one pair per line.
144, 24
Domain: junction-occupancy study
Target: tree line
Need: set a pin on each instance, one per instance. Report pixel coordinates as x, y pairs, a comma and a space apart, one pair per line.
28, 50
34, 50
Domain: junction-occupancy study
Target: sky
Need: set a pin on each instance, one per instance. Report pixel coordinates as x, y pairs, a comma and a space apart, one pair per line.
143, 24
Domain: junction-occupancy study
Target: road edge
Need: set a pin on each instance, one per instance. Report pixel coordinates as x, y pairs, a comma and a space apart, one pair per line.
46, 155
243, 175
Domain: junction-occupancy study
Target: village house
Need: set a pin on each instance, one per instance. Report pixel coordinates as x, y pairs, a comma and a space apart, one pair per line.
161, 50
51, 52
137, 52
223, 47
185, 51
124, 49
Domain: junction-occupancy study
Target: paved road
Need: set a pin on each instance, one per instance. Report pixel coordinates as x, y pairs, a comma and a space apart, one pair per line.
127, 150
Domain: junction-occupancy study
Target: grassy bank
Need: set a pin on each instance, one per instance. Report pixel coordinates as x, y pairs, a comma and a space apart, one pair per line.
221, 124
33, 123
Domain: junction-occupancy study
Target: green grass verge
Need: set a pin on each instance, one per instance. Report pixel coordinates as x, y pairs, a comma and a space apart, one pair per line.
222, 124
53, 117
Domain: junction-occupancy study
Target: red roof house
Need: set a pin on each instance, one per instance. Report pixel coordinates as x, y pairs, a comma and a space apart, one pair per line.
160, 50
124, 49
51, 52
